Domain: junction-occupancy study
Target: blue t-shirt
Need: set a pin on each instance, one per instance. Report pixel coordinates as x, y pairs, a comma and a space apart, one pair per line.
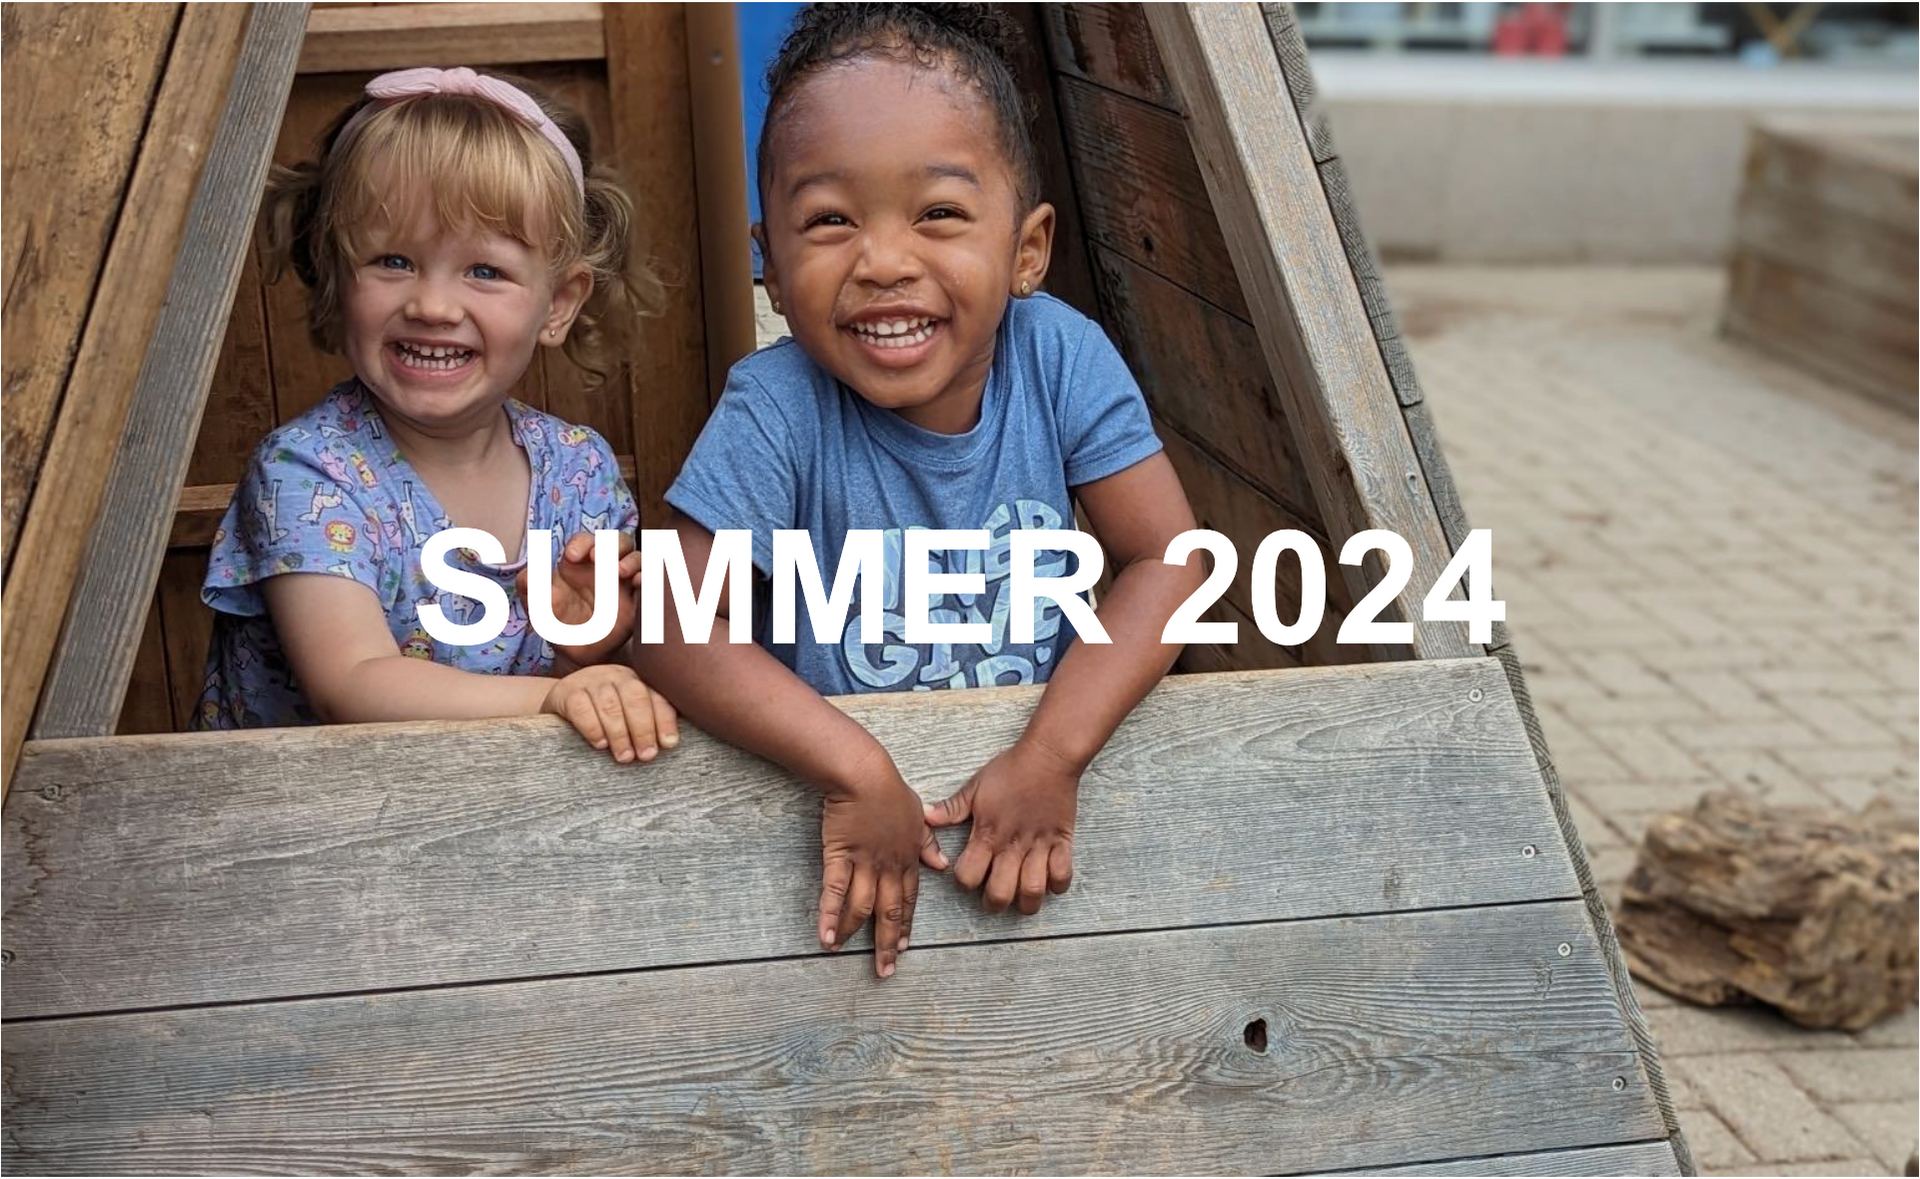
790, 447
329, 493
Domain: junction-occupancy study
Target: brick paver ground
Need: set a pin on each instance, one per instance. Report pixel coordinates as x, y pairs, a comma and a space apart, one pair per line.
1709, 562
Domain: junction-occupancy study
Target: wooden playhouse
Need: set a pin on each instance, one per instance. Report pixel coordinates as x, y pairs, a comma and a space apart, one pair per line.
1330, 912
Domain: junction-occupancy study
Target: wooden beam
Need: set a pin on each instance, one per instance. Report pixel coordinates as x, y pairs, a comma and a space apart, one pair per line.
88, 679
55, 248
1634, 1158
1248, 1049
720, 188
1300, 289
358, 852
129, 298
362, 38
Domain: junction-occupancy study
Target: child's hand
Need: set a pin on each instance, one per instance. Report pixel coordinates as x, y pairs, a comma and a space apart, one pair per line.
613, 709
573, 595
872, 843
1022, 805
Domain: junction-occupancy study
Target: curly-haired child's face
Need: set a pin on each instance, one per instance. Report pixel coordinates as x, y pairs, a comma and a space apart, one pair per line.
893, 235
442, 325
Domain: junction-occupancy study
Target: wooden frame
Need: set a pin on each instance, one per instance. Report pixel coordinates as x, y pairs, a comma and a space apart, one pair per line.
1325, 918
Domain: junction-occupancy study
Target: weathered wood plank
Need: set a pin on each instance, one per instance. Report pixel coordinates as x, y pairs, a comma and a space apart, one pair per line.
666, 386
1201, 369
149, 707
1284, 32
1294, 271
74, 74
1833, 331
88, 678
1110, 45
1069, 273
1239, 1050
149, 871
132, 286
239, 410
1141, 192
1847, 167
1224, 503
716, 108
187, 624
397, 36
1872, 259
1634, 1158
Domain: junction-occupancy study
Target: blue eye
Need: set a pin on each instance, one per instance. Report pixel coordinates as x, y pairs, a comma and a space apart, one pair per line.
392, 262
486, 273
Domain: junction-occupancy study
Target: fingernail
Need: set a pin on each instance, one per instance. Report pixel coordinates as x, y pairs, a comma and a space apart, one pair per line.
624, 755
903, 945
886, 971
671, 741
599, 744
648, 753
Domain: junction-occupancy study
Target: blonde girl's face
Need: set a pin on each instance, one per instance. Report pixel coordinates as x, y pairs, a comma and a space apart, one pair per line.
442, 324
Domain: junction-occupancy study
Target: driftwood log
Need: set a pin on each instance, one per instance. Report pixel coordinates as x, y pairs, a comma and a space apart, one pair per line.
1809, 911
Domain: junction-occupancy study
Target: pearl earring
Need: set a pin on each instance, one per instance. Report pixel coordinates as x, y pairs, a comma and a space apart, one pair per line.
1026, 288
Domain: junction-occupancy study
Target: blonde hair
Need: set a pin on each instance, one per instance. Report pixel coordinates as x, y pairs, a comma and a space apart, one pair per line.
473, 165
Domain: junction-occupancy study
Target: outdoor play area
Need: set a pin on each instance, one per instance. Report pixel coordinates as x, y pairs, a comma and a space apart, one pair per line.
1626, 889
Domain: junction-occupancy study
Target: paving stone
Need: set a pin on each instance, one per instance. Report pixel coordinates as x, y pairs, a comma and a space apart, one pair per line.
1713, 1144
1856, 1074
1686, 1030
1901, 1031
1769, 1113
1887, 1127
1837, 1167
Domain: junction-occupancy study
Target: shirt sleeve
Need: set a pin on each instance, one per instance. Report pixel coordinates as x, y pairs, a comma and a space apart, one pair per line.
1104, 425
295, 512
742, 472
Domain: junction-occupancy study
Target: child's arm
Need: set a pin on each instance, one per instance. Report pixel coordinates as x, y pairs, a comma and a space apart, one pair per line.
336, 640
1022, 803
872, 834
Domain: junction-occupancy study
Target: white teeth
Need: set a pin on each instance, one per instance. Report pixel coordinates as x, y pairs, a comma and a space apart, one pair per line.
437, 358
896, 333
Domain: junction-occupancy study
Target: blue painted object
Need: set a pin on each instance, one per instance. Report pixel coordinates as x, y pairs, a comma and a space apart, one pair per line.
762, 28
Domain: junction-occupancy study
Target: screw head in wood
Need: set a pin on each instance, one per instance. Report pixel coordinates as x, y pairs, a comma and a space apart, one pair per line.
1476, 695
1619, 1083
50, 793
1528, 852
6, 957
1565, 949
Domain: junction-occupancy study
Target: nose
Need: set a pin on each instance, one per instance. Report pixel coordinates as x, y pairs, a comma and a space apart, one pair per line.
433, 300
888, 256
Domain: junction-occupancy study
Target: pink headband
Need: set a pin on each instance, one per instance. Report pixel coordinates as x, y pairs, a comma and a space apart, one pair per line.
401, 84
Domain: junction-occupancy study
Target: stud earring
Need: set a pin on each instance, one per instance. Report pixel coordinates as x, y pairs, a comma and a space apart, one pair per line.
1026, 288
777, 309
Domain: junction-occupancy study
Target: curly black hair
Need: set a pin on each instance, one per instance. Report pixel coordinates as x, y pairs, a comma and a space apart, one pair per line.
975, 41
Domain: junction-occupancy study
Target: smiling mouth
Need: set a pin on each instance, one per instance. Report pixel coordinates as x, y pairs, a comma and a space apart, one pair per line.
431, 359
895, 333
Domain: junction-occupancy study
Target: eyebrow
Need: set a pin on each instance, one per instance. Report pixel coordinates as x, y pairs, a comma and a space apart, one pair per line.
840, 175
956, 171
829, 176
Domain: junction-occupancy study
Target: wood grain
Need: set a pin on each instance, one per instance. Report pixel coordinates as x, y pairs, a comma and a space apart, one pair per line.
1069, 272
1225, 504
150, 871
1864, 167
188, 625
73, 74
148, 707
1111, 46
1832, 330
1313, 327
1202, 370
132, 284
239, 410
1141, 192
651, 110
716, 103
91, 667
376, 37
1636, 1158
1409, 1036
1874, 260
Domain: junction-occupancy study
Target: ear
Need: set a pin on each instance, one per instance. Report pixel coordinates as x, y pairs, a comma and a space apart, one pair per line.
570, 294
769, 276
1033, 250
